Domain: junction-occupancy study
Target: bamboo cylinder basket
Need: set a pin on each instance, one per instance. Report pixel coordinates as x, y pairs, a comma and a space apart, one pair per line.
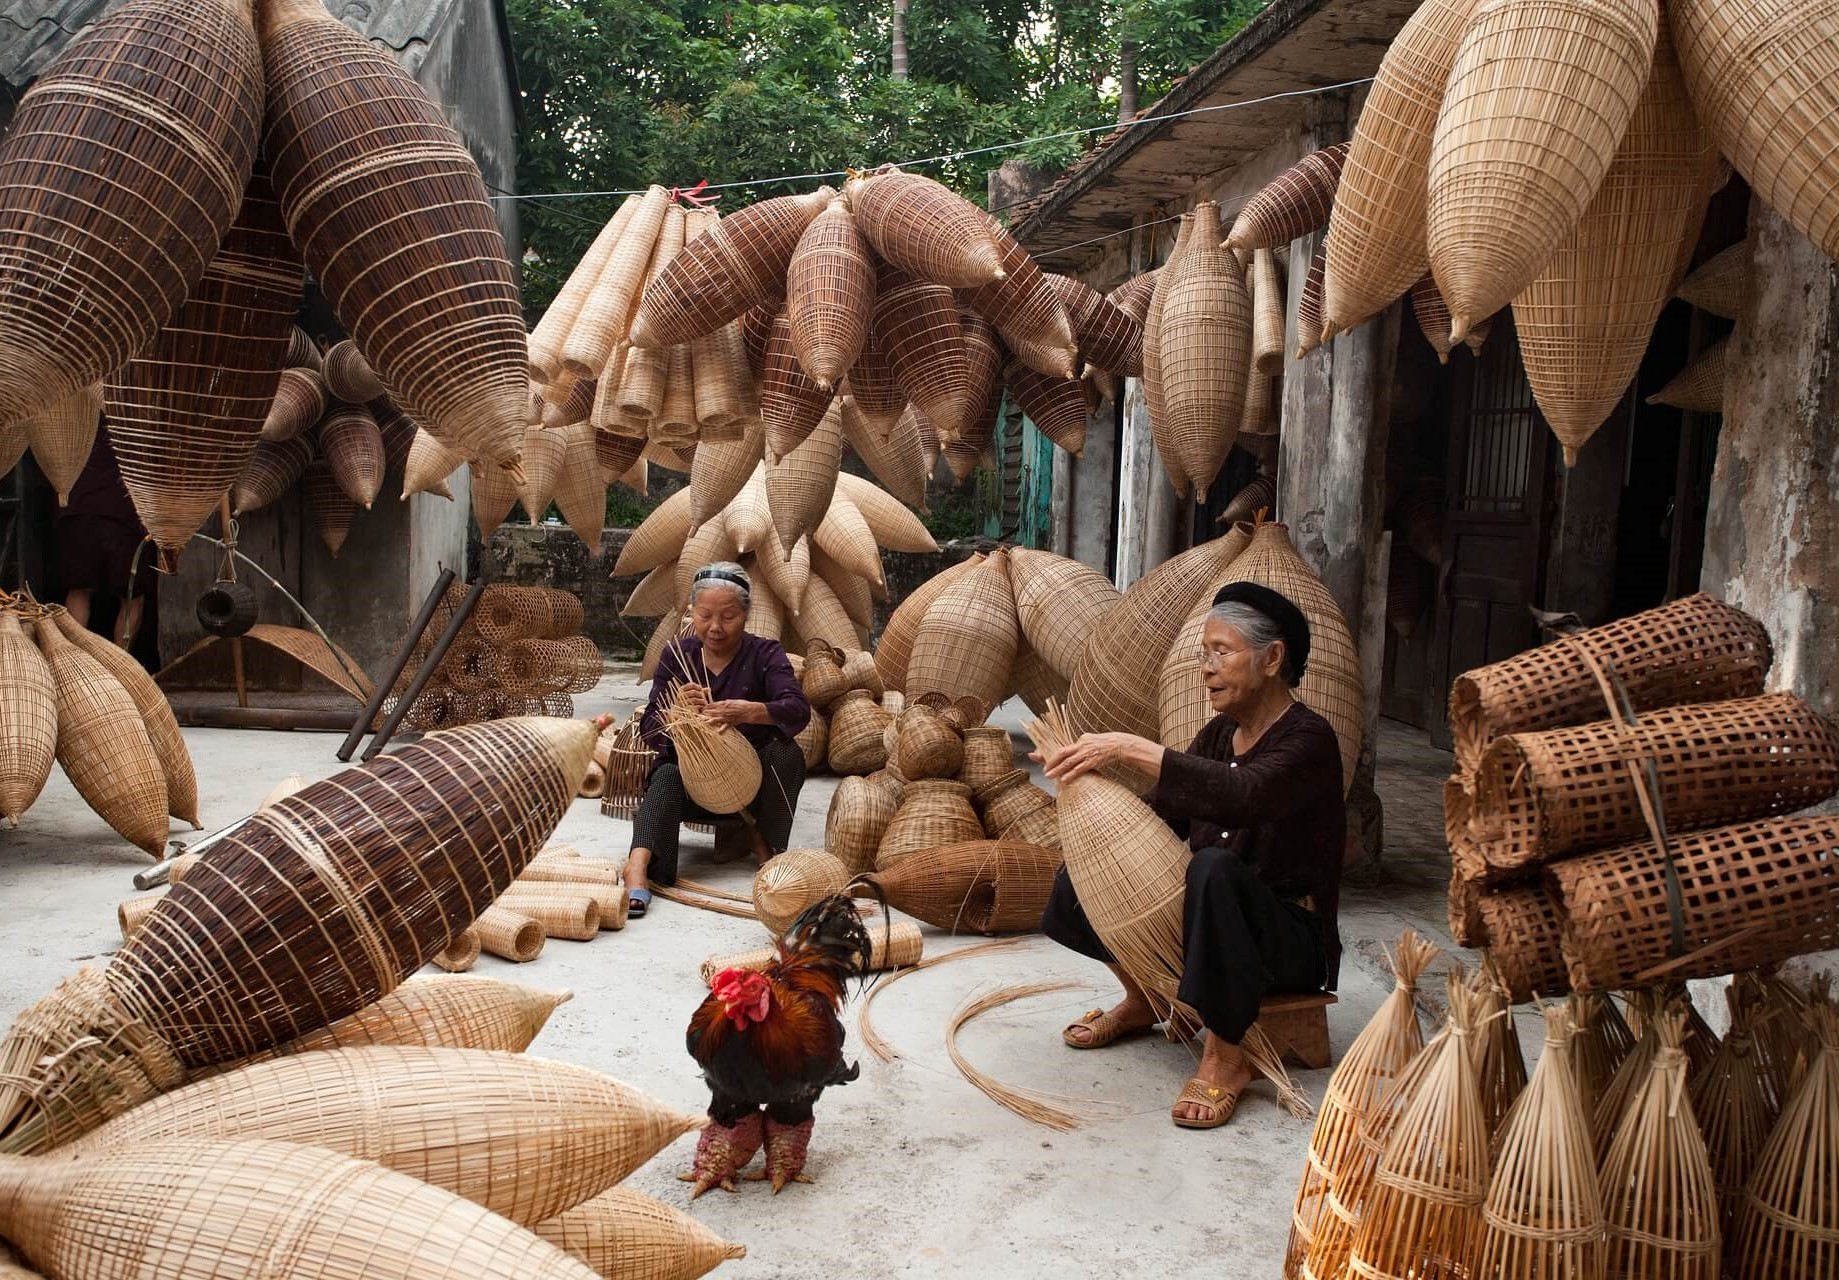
892, 946
857, 727
859, 814
627, 1234
510, 935
932, 812
792, 881
1523, 928
460, 954
967, 638
28, 718
562, 910
980, 886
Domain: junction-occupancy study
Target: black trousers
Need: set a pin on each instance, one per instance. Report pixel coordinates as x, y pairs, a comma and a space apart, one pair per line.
1243, 941
666, 806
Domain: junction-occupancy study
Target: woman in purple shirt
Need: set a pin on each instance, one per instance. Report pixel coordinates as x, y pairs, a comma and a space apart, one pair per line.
737, 679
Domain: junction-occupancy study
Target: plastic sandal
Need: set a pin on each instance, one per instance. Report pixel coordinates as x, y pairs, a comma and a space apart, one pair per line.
638, 901
1102, 1029
1219, 1103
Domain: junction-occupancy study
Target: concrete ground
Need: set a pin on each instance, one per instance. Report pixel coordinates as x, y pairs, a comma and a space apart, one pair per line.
917, 1172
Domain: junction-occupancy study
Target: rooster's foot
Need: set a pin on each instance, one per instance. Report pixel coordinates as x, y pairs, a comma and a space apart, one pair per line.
786, 1145
722, 1152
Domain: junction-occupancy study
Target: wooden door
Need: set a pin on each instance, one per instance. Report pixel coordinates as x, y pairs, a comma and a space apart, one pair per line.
1493, 527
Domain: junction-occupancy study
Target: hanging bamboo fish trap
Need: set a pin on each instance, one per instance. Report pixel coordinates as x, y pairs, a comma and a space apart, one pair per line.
28, 718
429, 464
1132, 297
844, 538
1699, 387
893, 653
792, 881
122, 170
1058, 407
1059, 603
829, 293
1204, 343
1718, 284
925, 228
658, 538
792, 402
348, 375
352, 447
916, 326
800, 485
1293, 204
1025, 310
859, 814
1109, 336
332, 509
625, 1234
721, 470
873, 385
62, 436
894, 458
271, 471
423, 286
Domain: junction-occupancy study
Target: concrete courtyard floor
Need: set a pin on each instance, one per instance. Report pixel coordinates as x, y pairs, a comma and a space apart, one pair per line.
917, 1173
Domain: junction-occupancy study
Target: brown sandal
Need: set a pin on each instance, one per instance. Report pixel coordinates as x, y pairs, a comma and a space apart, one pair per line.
1219, 1103
1101, 1029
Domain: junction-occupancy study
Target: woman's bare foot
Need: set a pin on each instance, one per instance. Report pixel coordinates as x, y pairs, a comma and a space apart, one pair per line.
1222, 1066
637, 862
1132, 1013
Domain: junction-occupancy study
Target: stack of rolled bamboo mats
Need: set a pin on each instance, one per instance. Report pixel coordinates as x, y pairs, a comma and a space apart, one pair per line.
351, 1109
67, 694
1624, 807
521, 653
1638, 1146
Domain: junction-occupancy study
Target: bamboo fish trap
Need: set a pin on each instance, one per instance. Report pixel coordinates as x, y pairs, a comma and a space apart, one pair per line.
721, 770
456, 1118
982, 886
967, 639
1204, 345
926, 228
626, 1235
1500, 1061
1789, 1222
28, 726
792, 881
442, 1010
1732, 1102
859, 814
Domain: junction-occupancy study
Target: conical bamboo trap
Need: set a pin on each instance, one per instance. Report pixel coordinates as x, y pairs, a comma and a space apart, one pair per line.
449, 1011
1293, 204
981, 886
792, 881
1787, 1223
925, 228
1204, 345
626, 1235
29, 725
1059, 603
966, 640
62, 435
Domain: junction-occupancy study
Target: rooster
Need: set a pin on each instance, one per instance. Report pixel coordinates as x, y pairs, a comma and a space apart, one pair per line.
769, 1043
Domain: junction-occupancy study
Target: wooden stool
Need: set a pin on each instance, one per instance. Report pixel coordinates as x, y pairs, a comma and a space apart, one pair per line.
1298, 1025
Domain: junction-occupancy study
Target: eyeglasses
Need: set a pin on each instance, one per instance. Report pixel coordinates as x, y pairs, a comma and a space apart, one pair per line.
1214, 657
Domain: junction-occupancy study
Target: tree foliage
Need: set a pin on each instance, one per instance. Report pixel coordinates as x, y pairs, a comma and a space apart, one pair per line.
618, 94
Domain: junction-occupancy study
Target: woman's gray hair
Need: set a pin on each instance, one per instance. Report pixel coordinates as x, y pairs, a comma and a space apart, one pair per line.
1258, 628
723, 574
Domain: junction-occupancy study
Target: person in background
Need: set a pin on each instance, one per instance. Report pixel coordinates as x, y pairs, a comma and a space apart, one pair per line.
736, 679
97, 534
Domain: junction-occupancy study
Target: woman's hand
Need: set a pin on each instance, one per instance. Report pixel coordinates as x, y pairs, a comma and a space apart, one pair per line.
735, 711
693, 696
1095, 751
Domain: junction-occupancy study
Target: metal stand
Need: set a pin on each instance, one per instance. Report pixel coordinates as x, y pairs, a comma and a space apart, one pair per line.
380, 690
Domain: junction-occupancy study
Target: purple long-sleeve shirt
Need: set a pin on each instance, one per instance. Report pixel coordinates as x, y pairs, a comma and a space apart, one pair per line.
758, 671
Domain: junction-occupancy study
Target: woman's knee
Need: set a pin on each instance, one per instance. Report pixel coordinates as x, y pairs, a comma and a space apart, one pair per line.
1213, 870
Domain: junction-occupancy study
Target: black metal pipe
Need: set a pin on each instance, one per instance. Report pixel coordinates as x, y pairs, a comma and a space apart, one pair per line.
381, 690
426, 671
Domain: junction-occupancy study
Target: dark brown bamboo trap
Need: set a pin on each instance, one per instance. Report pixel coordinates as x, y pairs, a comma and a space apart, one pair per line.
272, 469
829, 293
389, 210
916, 325
1025, 309
331, 508
981, 886
1058, 407
120, 174
352, 447
299, 399
925, 228
1293, 204
1697, 649
1109, 336
348, 374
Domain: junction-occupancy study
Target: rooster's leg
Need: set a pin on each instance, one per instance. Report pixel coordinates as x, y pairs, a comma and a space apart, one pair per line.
722, 1152
786, 1145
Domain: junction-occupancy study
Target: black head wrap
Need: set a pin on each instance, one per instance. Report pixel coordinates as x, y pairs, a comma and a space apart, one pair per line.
715, 573
1278, 608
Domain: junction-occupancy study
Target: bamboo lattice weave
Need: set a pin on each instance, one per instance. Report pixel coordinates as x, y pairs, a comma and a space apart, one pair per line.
1132, 297
628, 1235
28, 718
925, 228
299, 399
1023, 306
1293, 204
1718, 284
1059, 603
932, 812
1522, 927
858, 817
1699, 387
348, 375
873, 384
982, 886
895, 459
1058, 407
1182, 705
1789, 1222
967, 639
895, 650
389, 210
352, 447
119, 175
332, 509
62, 436
916, 325
1109, 336
792, 403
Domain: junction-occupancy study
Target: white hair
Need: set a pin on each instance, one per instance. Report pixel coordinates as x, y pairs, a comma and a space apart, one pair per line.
724, 575
1259, 629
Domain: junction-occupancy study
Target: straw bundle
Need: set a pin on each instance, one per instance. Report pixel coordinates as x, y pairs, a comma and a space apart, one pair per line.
460, 954
967, 638
1129, 869
1388, 1042
1059, 603
981, 886
894, 458
1114, 684
1293, 204
1699, 387
1522, 926
916, 325
626, 1235
1542, 796
1584, 323
458, 1012
122, 172
185, 414
392, 274
925, 228
738, 265
1734, 1108
28, 719
894, 652
858, 818
932, 812
103, 743
1789, 1222
1025, 310
857, 729
721, 770
1718, 284
892, 947
1657, 1183
317, 1214
155, 712
785, 885
927, 746
1424, 1215
510, 935
1377, 248
1697, 649
453, 1118
1204, 342
1109, 336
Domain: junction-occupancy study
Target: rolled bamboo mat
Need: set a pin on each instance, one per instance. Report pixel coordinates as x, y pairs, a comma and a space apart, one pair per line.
510, 935
1523, 928
574, 916
462, 953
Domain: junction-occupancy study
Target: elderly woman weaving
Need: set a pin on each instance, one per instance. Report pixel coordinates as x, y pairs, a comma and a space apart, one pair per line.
1258, 796
736, 679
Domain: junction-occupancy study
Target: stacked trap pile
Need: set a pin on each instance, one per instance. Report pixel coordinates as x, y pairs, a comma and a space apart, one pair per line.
520, 653
1621, 806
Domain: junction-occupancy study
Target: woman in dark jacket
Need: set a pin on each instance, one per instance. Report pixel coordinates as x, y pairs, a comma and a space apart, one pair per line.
1258, 796
736, 679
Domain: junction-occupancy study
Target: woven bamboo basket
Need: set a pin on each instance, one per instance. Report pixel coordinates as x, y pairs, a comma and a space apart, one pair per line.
1657, 1182
1735, 1111
398, 430
981, 886
932, 812
352, 448
1759, 80
133, 912
1538, 98
967, 639
1699, 387
738, 265
1425, 1215
1751, 895
449, 1117
460, 1012
1293, 204
461, 953
894, 458
859, 673
1058, 407
1132, 297
721, 770
989, 754
1109, 336
722, 470
543, 451
916, 325
429, 464
561, 911
123, 169
1523, 928
801, 484
823, 617
1602, 1041
581, 492
1014, 809
895, 528
857, 727
785, 885
844, 537
1204, 343
707, 545
494, 493
893, 946
1719, 283
214, 1207
155, 712
1500, 1064
893, 653
1585, 321
1025, 309
829, 293
594, 332
1465, 922
1182, 707
1542, 796
925, 228
605, 891
860, 811
348, 375
1311, 302
1378, 246
872, 383
62, 435
822, 677
103, 744
423, 285
510, 935
792, 404
185, 414
626, 1235
332, 509
1267, 300
1696, 649
1544, 1211
814, 739
1129, 869
1059, 603
1388, 1042
658, 538
1788, 1224
28, 719
927, 746
1114, 684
